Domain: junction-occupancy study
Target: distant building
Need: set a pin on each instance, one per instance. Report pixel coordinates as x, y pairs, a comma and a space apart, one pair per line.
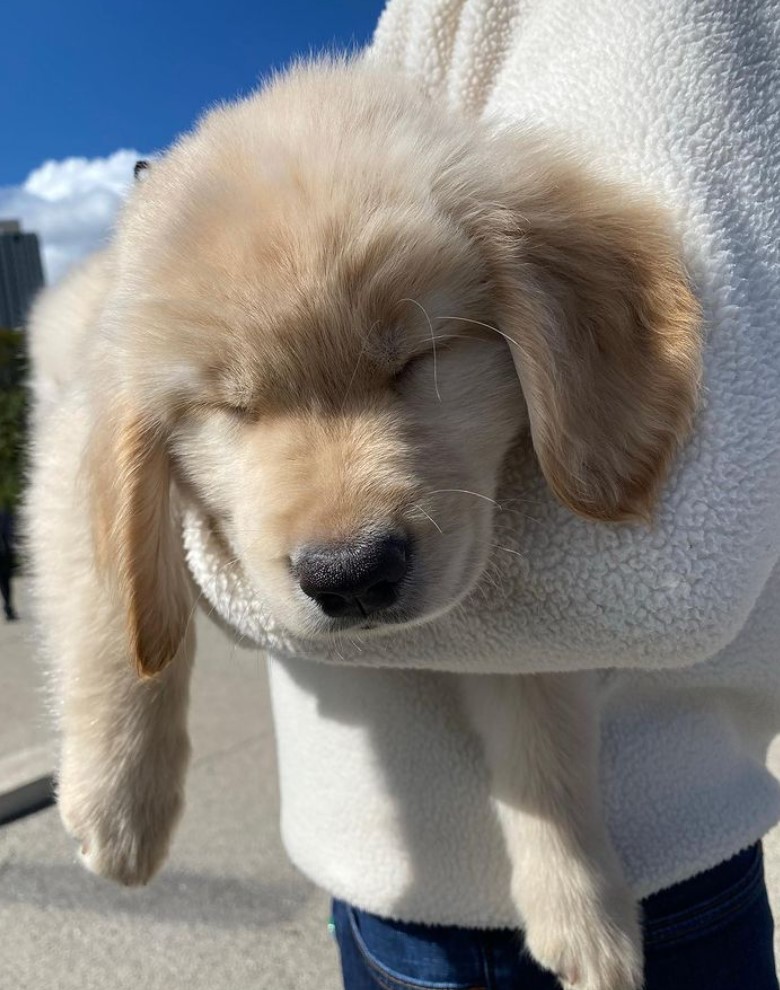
21, 272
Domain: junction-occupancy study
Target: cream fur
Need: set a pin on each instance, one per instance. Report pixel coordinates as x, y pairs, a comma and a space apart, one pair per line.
307, 340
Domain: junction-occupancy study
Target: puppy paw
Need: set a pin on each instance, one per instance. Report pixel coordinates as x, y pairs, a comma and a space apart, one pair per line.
590, 944
123, 854
122, 836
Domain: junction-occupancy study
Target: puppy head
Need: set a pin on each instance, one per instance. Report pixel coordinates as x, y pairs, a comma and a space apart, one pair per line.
336, 309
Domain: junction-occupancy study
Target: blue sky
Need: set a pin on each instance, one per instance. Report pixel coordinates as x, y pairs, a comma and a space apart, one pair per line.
86, 84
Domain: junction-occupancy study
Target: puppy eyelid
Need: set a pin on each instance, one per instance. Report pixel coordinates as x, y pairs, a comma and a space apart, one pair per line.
236, 411
246, 412
443, 343
402, 367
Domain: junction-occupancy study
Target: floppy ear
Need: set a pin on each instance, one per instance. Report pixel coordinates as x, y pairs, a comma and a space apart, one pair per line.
138, 544
605, 331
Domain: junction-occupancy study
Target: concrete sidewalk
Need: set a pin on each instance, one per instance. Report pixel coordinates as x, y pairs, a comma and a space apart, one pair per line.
227, 911
26, 743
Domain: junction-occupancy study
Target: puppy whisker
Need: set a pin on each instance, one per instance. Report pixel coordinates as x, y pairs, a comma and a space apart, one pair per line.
433, 341
430, 518
479, 323
197, 600
498, 546
447, 337
357, 365
464, 491
354, 642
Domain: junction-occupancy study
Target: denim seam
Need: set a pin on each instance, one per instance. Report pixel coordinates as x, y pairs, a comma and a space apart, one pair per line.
711, 916
388, 980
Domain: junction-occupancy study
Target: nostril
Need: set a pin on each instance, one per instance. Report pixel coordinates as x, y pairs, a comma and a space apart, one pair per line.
332, 604
354, 578
394, 562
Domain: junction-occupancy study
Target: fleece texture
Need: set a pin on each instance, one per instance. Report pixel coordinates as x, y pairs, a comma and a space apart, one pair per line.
384, 794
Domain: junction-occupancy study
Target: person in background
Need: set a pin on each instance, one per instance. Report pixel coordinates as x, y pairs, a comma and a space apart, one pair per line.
7, 562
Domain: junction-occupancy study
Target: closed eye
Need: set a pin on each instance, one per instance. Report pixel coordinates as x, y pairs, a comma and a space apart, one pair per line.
246, 412
424, 365
237, 398
414, 361
436, 347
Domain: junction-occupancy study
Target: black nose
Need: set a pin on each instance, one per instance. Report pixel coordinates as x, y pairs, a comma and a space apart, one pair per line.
355, 578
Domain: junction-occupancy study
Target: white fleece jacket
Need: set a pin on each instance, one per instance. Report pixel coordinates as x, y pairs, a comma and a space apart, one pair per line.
384, 795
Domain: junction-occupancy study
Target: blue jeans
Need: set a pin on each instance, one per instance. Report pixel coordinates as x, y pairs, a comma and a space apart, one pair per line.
713, 932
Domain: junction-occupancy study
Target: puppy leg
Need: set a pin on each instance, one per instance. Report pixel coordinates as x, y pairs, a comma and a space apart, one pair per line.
540, 741
124, 738
125, 751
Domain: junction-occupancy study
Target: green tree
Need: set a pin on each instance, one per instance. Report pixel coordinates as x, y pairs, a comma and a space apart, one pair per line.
13, 415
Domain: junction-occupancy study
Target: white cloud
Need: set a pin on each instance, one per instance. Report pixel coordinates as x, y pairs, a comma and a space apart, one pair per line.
70, 204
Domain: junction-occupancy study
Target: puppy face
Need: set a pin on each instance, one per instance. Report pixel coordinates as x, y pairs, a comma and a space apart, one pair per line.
345, 419
336, 309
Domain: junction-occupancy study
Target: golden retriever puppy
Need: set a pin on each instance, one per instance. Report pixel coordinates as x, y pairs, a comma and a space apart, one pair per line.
326, 312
